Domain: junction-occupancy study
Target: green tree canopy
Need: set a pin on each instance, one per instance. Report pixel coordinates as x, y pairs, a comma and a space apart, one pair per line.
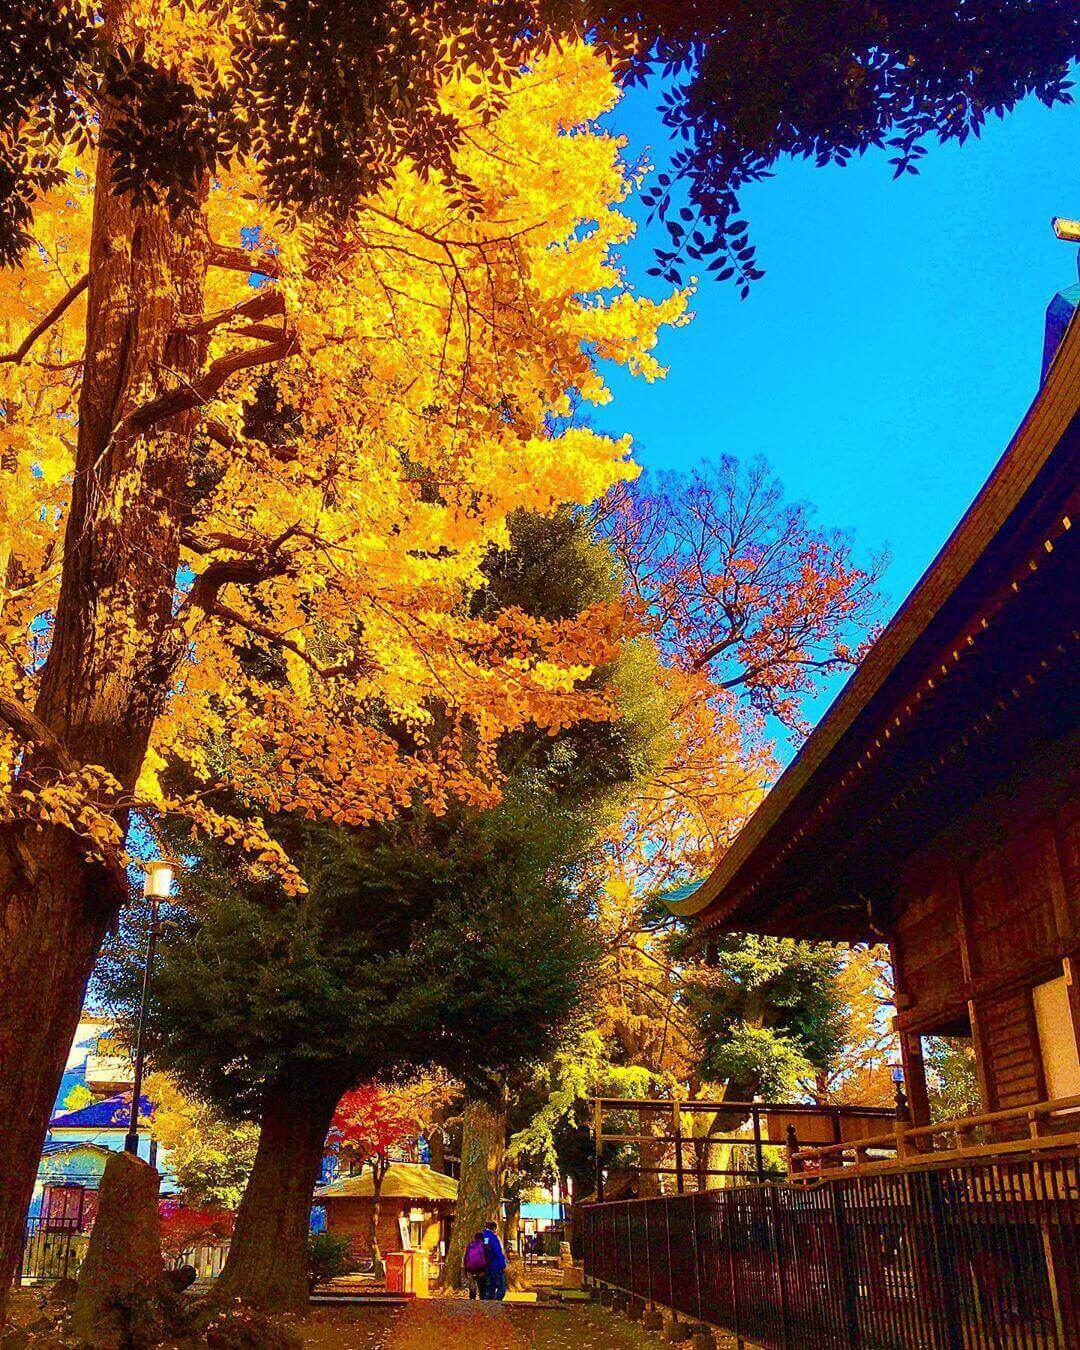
764, 1012
463, 940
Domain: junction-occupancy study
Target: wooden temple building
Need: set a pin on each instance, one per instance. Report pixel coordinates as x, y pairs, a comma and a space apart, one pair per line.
937, 805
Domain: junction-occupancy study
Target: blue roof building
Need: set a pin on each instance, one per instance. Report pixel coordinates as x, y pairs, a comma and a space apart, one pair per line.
111, 1113
85, 1129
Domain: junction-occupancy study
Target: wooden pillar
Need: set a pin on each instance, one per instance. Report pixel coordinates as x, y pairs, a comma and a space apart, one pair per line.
1070, 968
1055, 880
982, 1059
911, 1057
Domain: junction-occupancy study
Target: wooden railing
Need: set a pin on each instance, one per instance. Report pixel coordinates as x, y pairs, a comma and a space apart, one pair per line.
1042, 1125
763, 1129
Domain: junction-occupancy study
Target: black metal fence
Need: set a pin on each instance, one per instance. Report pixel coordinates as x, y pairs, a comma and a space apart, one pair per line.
972, 1255
50, 1252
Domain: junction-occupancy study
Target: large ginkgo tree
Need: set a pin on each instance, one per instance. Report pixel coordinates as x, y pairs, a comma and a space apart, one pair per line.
251, 464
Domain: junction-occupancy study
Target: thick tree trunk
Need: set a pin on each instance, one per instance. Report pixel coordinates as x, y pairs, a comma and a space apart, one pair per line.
510, 1232
112, 649
650, 1158
511, 1227
710, 1157
267, 1265
582, 1183
437, 1147
483, 1167
48, 943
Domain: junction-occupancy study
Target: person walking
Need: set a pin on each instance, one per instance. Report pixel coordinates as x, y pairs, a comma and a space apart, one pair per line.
496, 1264
476, 1267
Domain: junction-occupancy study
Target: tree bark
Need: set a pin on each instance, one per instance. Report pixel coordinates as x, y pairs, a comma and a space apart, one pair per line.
650, 1157
510, 1231
378, 1173
582, 1183
267, 1265
112, 649
483, 1167
511, 1227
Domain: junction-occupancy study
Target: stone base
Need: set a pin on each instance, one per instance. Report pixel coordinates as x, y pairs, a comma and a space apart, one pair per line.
118, 1298
675, 1330
653, 1320
702, 1339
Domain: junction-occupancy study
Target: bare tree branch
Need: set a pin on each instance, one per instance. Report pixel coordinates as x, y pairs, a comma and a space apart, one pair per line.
351, 666
260, 562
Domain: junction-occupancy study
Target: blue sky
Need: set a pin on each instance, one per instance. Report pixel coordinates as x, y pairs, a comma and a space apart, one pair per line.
894, 344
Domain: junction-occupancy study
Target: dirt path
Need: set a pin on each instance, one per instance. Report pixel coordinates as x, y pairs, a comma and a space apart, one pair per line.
454, 1324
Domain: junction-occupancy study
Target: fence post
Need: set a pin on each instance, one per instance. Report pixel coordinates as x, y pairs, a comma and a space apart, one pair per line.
677, 1116
668, 1202
695, 1208
630, 1247
943, 1272
759, 1157
598, 1114
848, 1284
778, 1262
648, 1256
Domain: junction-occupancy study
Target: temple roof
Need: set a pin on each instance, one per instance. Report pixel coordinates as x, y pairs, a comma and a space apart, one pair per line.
403, 1181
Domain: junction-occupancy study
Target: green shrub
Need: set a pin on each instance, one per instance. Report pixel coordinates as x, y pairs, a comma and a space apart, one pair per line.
328, 1257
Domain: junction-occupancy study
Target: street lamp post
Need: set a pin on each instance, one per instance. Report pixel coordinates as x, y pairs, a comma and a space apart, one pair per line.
158, 885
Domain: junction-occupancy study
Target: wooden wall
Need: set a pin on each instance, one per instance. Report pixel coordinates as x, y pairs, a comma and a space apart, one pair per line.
351, 1216
985, 915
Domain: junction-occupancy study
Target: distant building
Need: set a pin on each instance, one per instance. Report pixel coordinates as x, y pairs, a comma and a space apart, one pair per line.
89, 1122
104, 1123
416, 1209
97, 1065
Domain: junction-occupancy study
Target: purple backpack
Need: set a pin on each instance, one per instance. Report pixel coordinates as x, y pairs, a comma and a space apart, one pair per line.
475, 1258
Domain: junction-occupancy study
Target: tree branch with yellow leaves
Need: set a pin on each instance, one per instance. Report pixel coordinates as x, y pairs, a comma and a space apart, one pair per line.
17, 355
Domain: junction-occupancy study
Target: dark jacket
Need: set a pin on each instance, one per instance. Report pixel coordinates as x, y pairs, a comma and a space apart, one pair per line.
496, 1257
